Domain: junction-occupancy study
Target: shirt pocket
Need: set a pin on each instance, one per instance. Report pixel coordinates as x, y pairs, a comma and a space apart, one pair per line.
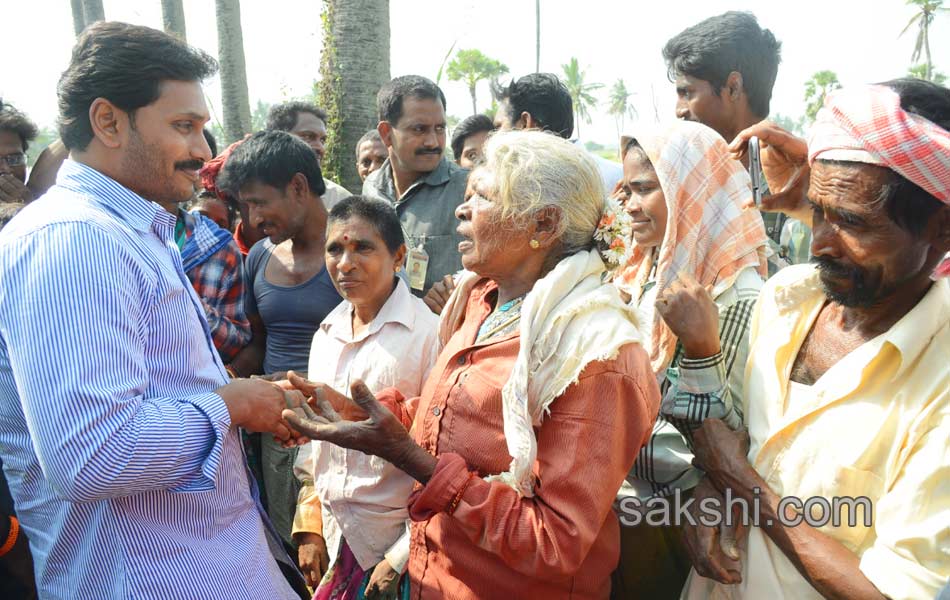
848, 506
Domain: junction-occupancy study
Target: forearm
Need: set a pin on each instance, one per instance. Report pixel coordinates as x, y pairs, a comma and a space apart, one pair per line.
250, 360
833, 570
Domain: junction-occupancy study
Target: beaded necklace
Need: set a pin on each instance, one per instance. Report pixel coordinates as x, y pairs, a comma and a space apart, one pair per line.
501, 321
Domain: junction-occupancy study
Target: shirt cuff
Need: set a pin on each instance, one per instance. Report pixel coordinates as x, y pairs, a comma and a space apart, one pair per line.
451, 473
212, 406
398, 554
702, 375
308, 517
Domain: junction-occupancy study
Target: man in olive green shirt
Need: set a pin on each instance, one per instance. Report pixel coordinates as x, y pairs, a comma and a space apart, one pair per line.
424, 187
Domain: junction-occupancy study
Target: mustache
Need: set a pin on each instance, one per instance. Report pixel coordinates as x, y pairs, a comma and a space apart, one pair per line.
833, 267
423, 151
189, 165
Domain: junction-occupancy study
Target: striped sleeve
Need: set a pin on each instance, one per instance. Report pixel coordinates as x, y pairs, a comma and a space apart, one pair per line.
94, 432
711, 388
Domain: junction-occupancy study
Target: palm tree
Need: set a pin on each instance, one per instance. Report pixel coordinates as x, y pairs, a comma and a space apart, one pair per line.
354, 64
619, 105
173, 18
816, 88
471, 66
580, 92
923, 19
234, 100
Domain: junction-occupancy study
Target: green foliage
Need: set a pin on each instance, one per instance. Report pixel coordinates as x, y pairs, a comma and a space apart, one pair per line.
920, 72
816, 88
580, 92
47, 136
328, 92
259, 115
788, 123
619, 104
470, 67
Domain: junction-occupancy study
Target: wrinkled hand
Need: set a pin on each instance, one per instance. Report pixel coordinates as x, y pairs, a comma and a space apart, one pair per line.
689, 311
704, 543
383, 583
439, 294
617, 194
346, 408
257, 406
313, 557
14, 190
380, 433
275, 377
723, 454
785, 165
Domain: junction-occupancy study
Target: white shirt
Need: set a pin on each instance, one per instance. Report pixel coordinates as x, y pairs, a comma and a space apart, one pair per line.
364, 497
335, 192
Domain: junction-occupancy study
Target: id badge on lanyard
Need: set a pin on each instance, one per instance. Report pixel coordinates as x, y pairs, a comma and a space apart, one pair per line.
417, 263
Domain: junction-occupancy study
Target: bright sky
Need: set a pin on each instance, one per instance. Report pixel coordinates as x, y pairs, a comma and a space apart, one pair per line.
858, 39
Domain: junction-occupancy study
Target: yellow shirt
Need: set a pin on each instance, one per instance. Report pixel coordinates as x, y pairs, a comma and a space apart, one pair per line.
877, 424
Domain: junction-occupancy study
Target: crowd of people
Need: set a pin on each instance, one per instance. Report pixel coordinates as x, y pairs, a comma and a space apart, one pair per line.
514, 369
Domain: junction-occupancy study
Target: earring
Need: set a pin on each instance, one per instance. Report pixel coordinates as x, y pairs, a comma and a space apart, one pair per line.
398, 269
535, 244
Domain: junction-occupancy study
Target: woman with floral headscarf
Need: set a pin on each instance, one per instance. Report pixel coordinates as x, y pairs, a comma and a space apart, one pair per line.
695, 271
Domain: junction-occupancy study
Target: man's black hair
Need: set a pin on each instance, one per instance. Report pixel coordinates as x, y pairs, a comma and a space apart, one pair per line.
126, 65
909, 205
391, 96
469, 126
212, 143
373, 135
271, 158
13, 120
732, 41
283, 117
377, 213
545, 98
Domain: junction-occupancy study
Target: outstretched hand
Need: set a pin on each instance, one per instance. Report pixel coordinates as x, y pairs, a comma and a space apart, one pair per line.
785, 166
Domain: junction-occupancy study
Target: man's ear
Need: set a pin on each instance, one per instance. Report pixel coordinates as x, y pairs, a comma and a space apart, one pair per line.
526, 121
109, 123
734, 86
938, 229
385, 130
299, 187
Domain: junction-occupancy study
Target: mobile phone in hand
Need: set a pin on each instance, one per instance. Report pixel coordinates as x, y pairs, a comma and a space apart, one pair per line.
755, 171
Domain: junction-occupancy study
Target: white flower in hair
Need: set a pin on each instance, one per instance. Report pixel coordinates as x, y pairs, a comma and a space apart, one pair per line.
613, 235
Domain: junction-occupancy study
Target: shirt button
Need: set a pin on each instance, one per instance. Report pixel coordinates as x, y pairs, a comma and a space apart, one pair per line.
436, 411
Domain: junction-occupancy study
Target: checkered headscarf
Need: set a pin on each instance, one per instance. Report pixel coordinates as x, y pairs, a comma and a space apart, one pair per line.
867, 124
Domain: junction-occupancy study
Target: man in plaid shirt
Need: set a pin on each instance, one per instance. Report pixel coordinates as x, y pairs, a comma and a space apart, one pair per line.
214, 266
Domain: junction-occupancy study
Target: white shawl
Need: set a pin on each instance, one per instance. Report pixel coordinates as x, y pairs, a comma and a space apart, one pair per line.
569, 319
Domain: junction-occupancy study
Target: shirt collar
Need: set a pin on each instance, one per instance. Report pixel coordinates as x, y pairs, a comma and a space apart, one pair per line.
398, 308
438, 176
139, 213
909, 336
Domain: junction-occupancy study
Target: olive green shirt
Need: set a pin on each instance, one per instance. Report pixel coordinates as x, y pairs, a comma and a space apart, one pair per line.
427, 214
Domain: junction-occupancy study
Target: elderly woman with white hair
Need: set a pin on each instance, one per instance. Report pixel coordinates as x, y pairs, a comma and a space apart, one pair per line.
538, 403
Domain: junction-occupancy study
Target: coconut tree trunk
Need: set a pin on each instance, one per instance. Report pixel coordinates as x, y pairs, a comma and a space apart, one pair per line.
92, 11
353, 66
173, 18
79, 19
471, 90
234, 100
926, 32
537, 36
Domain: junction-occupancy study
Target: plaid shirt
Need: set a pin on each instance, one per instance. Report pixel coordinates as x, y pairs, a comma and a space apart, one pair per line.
219, 283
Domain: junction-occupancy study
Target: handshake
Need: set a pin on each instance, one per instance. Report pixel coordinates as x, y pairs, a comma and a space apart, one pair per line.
257, 406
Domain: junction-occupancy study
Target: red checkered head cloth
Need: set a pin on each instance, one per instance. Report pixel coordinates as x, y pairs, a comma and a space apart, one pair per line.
867, 124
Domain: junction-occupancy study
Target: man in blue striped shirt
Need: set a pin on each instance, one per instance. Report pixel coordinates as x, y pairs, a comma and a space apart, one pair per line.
118, 426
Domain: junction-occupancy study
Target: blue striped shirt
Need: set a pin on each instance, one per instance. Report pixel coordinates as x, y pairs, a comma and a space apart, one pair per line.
127, 476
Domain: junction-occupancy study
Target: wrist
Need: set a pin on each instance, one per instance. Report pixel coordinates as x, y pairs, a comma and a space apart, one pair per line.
700, 349
13, 532
412, 459
232, 401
